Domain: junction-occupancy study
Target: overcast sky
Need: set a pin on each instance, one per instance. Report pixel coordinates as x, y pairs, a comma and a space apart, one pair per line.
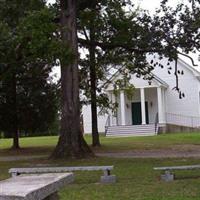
146, 4
152, 4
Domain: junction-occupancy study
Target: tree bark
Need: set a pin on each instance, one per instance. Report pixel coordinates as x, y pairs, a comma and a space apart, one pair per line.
71, 143
93, 79
14, 125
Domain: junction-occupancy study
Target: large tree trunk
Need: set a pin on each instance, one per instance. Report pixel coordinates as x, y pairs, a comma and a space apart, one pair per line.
95, 134
71, 143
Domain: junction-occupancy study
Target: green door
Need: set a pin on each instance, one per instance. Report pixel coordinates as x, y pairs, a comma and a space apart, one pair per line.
137, 114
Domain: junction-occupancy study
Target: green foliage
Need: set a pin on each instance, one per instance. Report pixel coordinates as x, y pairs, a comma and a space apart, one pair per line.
108, 21
125, 85
37, 102
40, 37
30, 46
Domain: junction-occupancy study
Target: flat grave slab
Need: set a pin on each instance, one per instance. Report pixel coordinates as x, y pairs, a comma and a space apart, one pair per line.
33, 187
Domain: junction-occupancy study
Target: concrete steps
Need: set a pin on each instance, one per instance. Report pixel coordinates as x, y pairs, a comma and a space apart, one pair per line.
136, 130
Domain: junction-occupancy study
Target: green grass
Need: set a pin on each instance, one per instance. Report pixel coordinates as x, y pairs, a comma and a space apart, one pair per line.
44, 141
150, 142
165, 141
136, 179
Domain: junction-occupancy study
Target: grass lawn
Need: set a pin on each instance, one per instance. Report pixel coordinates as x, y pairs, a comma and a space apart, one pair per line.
44, 145
136, 178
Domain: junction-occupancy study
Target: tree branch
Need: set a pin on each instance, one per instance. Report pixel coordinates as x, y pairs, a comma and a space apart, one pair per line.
85, 34
188, 57
110, 79
107, 46
176, 75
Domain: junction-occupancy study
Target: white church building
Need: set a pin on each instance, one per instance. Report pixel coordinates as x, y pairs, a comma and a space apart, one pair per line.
155, 106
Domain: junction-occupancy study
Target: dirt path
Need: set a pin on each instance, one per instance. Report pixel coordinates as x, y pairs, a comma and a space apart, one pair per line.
20, 158
154, 154
130, 154
176, 151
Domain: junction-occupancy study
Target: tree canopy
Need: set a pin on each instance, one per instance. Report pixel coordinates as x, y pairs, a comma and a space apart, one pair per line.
29, 48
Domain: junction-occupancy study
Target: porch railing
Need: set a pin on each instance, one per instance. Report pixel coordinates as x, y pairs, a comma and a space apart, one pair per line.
156, 123
107, 124
183, 120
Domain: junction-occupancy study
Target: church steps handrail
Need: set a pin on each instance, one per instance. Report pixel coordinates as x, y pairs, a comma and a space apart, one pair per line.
156, 123
131, 125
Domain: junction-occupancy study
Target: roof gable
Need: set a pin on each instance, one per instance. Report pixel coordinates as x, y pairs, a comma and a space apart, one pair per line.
189, 67
138, 82
155, 82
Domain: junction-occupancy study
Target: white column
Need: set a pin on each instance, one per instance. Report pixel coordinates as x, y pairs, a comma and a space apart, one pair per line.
160, 106
164, 105
142, 98
122, 107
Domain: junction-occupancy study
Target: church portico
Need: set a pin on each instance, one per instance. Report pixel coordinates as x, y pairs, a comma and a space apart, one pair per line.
146, 106
142, 108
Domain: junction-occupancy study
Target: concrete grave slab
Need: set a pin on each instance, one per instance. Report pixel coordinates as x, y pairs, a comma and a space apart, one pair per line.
34, 187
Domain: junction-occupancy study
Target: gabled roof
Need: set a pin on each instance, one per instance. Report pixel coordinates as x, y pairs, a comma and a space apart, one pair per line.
195, 72
190, 68
163, 83
155, 78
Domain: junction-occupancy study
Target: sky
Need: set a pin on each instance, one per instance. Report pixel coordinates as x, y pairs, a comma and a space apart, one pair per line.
151, 5
146, 4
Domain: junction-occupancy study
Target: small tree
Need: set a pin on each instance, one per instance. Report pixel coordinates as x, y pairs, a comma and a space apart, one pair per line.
96, 24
